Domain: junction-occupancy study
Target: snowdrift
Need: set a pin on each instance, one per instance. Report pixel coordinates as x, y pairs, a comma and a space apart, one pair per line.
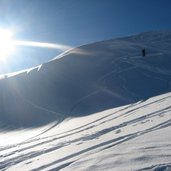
88, 79
134, 137
101, 106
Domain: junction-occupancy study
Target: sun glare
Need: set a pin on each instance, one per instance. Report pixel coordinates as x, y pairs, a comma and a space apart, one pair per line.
6, 44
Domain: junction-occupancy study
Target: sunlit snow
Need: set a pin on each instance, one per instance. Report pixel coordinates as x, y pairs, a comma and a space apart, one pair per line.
101, 106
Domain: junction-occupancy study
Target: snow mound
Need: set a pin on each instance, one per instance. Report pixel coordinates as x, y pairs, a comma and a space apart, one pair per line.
88, 79
100, 106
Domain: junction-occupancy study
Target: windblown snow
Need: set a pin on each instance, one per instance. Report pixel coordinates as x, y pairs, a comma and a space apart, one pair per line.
101, 106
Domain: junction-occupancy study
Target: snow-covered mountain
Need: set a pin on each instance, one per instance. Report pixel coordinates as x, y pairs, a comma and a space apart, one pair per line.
101, 106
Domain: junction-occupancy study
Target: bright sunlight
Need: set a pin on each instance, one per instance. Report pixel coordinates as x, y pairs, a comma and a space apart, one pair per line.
7, 46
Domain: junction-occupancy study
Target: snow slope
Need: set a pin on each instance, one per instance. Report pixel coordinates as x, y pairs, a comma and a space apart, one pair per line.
101, 106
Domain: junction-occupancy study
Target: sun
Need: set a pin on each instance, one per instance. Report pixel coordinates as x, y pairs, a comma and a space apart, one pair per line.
7, 45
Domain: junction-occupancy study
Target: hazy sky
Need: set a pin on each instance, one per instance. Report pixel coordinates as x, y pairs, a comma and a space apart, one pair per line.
76, 22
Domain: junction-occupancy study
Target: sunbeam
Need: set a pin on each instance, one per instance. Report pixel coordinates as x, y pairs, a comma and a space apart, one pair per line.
42, 45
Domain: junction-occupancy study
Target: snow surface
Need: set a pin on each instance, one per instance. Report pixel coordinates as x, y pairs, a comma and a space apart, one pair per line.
100, 106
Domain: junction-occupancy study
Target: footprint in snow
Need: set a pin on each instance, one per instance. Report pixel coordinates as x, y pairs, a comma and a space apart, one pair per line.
118, 131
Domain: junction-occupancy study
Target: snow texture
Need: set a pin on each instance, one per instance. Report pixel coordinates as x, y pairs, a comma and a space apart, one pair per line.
101, 106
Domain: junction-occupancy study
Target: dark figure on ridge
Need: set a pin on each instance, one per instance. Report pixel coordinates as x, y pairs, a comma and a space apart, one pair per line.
143, 52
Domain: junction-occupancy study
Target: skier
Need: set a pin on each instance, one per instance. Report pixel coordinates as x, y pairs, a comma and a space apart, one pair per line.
143, 52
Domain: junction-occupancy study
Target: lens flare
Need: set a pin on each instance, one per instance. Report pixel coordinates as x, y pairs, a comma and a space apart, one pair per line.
42, 45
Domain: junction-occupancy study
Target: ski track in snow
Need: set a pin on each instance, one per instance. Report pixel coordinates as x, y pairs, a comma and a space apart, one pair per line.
33, 150
127, 59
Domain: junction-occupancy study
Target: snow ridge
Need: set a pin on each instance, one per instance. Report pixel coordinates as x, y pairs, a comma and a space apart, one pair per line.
101, 106
99, 76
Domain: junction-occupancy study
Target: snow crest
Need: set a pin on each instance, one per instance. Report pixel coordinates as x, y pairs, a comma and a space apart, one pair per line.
101, 106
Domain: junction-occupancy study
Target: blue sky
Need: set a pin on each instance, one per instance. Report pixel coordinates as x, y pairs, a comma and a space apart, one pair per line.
76, 22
